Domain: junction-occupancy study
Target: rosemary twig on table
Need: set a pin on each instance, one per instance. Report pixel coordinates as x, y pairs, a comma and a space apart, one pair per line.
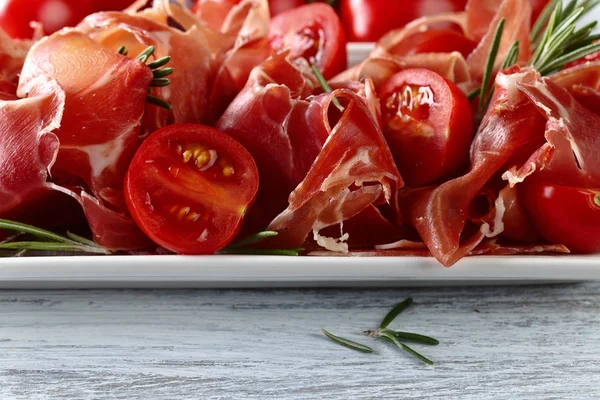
395, 337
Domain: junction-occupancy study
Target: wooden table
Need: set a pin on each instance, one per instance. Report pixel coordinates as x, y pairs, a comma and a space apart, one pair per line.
528, 342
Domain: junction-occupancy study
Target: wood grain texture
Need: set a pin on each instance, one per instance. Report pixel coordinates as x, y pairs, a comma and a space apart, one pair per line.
528, 342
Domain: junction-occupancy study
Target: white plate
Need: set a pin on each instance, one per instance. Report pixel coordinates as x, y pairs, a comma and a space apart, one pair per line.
266, 272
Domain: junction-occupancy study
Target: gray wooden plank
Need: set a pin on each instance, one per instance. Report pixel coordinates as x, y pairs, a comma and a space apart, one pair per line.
526, 342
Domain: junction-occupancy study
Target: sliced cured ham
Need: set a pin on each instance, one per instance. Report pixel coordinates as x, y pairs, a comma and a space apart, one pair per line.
12, 56
509, 133
104, 104
583, 82
353, 171
188, 91
283, 132
570, 156
28, 146
483, 17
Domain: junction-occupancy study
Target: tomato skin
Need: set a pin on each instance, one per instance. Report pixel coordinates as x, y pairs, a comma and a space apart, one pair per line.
428, 124
186, 205
563, 215
312, 30
369, 20
16, 15
435, 41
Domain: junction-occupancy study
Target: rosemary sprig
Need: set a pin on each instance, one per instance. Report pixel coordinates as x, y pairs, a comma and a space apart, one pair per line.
348, 343
391, 336
240, 246
159, 73
50, 241
561, 43
325, 86
485, 93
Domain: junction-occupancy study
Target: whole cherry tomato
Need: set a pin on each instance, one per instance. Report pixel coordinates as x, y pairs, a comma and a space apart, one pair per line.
189, 187
16, 15
312, 31
368, 20
564, 215
427, 123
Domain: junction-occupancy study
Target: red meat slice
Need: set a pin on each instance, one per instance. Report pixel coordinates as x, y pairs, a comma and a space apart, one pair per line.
353, 171
104, 104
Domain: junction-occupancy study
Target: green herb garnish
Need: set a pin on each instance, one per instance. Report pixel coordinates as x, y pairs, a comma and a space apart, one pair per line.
389, 335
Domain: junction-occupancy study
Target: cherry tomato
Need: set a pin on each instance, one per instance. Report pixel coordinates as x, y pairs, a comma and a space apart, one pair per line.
564, 215
428, 125
279, 6
435, 41
189, 187
369, 20
16, 15
312, 31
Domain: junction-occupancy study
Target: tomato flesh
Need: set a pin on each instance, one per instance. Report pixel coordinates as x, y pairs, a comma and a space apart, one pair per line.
369, 20
564, 215
314, 32
427, 123
189, 187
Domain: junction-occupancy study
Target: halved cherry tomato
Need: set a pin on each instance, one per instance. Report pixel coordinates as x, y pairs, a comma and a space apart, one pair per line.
564, 215
435, 41
369, 20
428, 125
189, 187
312, 31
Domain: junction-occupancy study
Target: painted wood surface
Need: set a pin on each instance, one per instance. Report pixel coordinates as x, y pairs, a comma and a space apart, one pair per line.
528, 342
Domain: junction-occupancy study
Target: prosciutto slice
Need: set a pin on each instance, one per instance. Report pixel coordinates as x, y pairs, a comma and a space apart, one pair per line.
12, 56
283, 132
483, 17
570, 155
192, 60
104, 105
509, 133
583, 82
28, 148
354, 170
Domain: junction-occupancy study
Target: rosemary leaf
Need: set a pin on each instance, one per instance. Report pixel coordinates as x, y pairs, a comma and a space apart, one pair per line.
53, 246
158, 102
161, 62
552, 22
394, 312
347, 343
512, 56
161, 73
560, 62
257, 237
597, 200
146, 54
541, 22
325, 86
415, 337
81, 239
32, 230
160, 82
489, 67
386, 333
473, 94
